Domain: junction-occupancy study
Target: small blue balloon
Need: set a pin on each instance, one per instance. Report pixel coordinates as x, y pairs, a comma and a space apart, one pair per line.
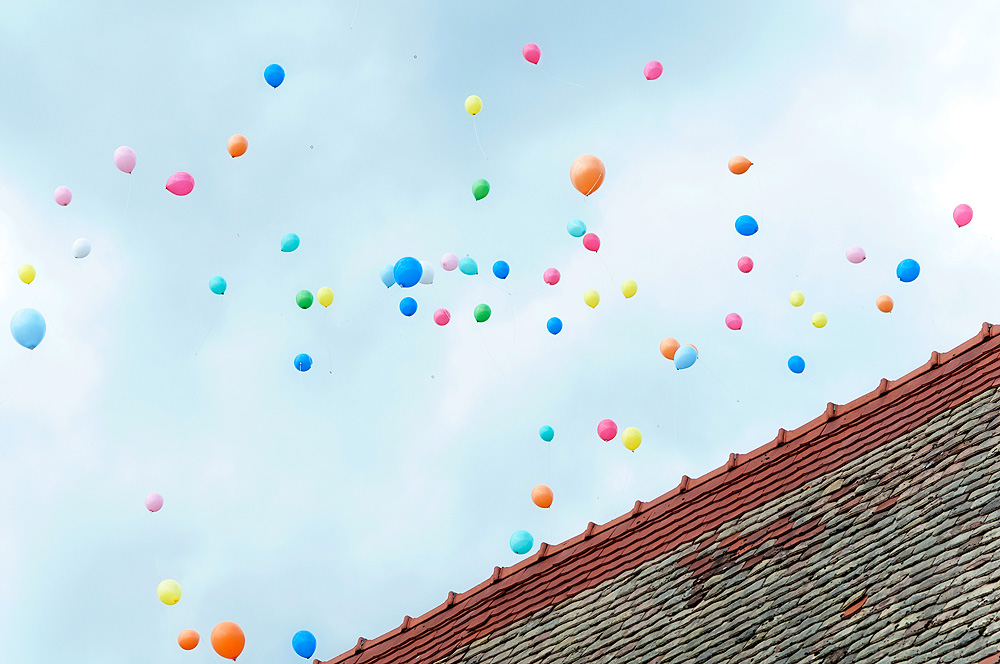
407, 272
576, 228
28, 328
386, 276
217, 285
290, 242
274, 75
796, 364
908, 270
501, 269
684, 357
547, 433
746, 225
304, 644
407, 306
521, 542
554, 325
303, 362
468, 266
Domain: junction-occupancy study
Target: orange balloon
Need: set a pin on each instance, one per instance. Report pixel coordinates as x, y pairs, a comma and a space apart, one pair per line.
587, 174
668, 347
739, 165
884, 303
188, 639
541, 495
237, 145
228, 640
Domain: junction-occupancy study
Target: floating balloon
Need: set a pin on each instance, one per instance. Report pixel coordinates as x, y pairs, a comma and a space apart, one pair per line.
576, 228
188, 639
289, 242
274, 75
473, 104
521, 542
407, 272
303, 362
217, 285
652, 70
734, 321
386, 276
180, 183
407, 306
449, 262
551, 276
629, 288
154, 502
547, 433
228, 640
501, 269
28, 328
632, 438
668, 347
480, 188
427, 276
884, 303
304, 644
482, 313
607, 430
169, 592
442, 316
797, 298
237, 145
587, 174
739, 165
746, 225
796, 364
856, 254
591, 298
907, 270
124, 159
745, 264
541, 496
468, 266
591, 242
685, 356
325, 296
553, 325
819, 319
962, 215
531, 53
81, 248
304, 299
26, 273
62, 195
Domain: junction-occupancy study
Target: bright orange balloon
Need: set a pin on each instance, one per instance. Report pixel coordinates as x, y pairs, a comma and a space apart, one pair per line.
884, 303
228, 640
668, 347
587, 174
237, 145
541, 495
739, 165
188, 639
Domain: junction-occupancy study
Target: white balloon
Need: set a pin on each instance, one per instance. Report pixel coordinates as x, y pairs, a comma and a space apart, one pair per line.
81, 248
428, 276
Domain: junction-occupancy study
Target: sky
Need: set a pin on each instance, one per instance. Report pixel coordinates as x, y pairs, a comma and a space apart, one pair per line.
394, 471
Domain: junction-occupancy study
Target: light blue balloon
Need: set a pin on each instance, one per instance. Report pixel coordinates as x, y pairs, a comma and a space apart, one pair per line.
290, 242
796, 364
576, 228
303, 362
547, 433
908, 270
217, 285
521, 542
304, 644
554, 325
407, 272
746, 225
684, 357
407, 306
468, 266
386, 276
28, 328
274, 75
501, 269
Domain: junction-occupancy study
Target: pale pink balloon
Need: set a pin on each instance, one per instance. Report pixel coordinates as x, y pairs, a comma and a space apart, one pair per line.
125, 159
591, 242
653, 70
531, 53
449, 262
154, 502
62, 195
962, 215
745, 264
607, 430
180, 183
551, 276
856, 254
734, 321
442, 316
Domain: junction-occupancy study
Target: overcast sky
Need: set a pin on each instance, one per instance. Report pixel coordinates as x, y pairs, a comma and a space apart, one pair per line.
341, 499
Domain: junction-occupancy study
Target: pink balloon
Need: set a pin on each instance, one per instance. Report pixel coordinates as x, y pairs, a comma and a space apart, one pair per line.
442, 316
180, 183
962, 215
734, 321
607, 430
154, 502
531, 53
653, 70
63, 195
125, 159
745, 264
591, 241
551, 276
449, 262
856, 254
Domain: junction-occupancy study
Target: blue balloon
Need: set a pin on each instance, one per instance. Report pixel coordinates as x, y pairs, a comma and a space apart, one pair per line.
386, 276
501, 269
28, 328
303, 362
408, 306
576, 228
407, 272
217, 285
554, 325
521, 542
468, 266
290, 242
304, 644
684, 357
796, 364
908, 270
746, 225
274, 75
547, 433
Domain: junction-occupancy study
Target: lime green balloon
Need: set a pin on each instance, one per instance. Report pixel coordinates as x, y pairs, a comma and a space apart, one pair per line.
482, 313
304, 299
480, 188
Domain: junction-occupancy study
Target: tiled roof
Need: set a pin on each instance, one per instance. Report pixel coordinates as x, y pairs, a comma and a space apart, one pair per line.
869, 534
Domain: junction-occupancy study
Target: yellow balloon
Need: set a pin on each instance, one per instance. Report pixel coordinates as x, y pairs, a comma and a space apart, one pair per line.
819, 319
325, 296
473, 104
632, 438
591, 297
27, 273
169, 591
797, 298
629, 288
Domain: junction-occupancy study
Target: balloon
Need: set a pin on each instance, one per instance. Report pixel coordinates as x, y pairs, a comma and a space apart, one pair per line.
188, 639
739, 165
884, 303
274, 75
551, 276
407, 272
591, 242
521, 542
480, 188
303, 362
386, 276
631, 438
427, 274
591, 297
796, 364
541, 495
819, 319
228, 639
797, 298
531, 53
745, 264
473, 104
734, 321
154, 502
289, 242
501, 269
547, 433
449, 262
217, 285
62, 195
855, 254
468, 266
28, 328
237, 145
124, 159
81, 248
26, 273
685, 356
482, 313
962, 215
304, 299
325, 296
553, 325
407, 306
907, 270
629, 288
607, 430
576, 228
169, 592
304, 644
442, 316
746, 225
587, 174
668, 347
180, 183
652, 70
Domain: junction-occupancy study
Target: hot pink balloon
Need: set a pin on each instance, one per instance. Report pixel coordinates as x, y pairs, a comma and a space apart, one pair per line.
449, 262
531, 53
551, 276
962, 215
745, 264
856, 254
607, 430
591, 242
125, 159
154, 502
180, 183
734, 321
442, 316
653, 70
62, 195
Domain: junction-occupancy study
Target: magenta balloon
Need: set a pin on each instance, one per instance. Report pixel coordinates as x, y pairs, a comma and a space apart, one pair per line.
591, 242
180, 183
653, 70
449, 262
154, 502
442, 316
62, 195
125, 159
734, 321
745, 264
962, 215
531, 53
855, 254
551, 276
607, 430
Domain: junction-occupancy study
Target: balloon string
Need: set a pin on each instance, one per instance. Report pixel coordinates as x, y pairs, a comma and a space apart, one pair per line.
477, 137
488, 351
544, 71
355, 14
610, 276
128, 197
326, 335
374, 306
212, 326
19, 381
724, 386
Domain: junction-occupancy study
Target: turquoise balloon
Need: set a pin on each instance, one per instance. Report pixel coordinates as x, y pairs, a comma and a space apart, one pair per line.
547, 433
468, 266
521, 542
290, 242
217, 285
28, 328
576, 228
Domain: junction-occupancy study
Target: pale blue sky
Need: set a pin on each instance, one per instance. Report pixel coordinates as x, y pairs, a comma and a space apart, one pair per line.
342, 499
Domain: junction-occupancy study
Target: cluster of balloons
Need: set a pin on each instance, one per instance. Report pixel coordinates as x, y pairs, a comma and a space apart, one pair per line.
683, 356
631, 437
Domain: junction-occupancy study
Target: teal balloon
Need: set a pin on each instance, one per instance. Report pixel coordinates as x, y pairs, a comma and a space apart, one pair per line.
290, 242
547, 434
468, 266
576, 228
521, 542
28, 328
304, 644
386, 276
217, 285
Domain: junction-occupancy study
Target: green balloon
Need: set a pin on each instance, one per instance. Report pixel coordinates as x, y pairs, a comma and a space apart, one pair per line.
304, 299
480, 188
482, 313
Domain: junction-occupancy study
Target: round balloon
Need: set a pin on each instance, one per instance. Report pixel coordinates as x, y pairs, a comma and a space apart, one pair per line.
797, 298
855, 254
547, 433
819, 319
531, 53
745, 264
237, 145
962, 215
607, 430
28, 328
884, 303
482, 313
188, 639
668, 347
591, 298
551, 276
652, 70
289, 242
407, 306
501, 269
734, 321
303, 362
685, 356
124, 159
739, 165
576, 228
26, 273
442, 316
180, 183
274, 75
629, 288
81, 248
473, 104
386, 276
427, 276
228, 640
796, 364
480, 188
587, 174
62, 195
169, 592
907, 270
304, 644
217, 285
468, 266
746, 225
154, 502
407, 272
541, 496
325, 296
631, 438
591, 242
304, 299
521, 542
554, 325
449, 262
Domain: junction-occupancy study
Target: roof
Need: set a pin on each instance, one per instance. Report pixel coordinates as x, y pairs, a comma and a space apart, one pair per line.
866, 535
